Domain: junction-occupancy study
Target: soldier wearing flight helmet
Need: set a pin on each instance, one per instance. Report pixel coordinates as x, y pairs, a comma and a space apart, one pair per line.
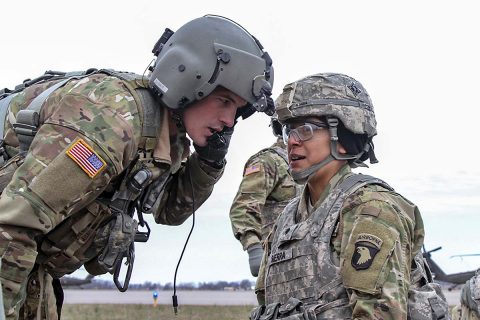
85, 151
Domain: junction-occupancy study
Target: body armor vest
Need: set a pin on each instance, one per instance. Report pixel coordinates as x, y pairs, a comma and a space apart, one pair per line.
301, 265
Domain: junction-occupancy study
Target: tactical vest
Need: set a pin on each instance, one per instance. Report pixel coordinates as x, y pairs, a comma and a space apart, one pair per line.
75, 241
303, 282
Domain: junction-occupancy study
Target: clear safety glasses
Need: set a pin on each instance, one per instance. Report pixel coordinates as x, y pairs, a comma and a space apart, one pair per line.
301, 133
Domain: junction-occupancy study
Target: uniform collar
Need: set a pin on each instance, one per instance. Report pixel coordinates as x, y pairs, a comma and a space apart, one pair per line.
305, 208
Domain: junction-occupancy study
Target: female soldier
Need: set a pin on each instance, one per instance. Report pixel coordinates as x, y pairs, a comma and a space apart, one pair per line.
347, 246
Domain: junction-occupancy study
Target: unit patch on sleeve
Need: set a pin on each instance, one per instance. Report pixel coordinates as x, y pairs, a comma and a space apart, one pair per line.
86, 158
366, 247
252, 169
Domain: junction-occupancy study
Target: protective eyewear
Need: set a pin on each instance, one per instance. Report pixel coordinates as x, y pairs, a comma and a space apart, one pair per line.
301, 133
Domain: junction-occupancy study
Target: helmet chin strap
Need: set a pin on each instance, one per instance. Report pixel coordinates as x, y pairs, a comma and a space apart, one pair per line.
304, 175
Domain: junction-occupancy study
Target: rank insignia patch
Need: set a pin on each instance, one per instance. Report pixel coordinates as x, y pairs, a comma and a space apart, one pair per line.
251, 169
366, 247
86, 158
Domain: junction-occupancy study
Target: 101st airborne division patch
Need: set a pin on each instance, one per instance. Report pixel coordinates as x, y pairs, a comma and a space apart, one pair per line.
366, 247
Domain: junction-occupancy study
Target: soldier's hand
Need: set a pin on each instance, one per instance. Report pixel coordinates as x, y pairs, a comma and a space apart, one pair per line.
217, 147
255, 255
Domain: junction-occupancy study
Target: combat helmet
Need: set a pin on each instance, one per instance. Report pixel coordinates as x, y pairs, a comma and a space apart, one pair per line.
337, 97
207, 52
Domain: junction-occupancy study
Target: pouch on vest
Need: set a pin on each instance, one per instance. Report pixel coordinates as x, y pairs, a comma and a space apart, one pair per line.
426, 300
257, 312
271, 311
293, 305
115, 237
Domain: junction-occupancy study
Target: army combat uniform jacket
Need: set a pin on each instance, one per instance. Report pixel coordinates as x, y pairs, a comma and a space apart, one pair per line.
92, 132
356, 265
265, 190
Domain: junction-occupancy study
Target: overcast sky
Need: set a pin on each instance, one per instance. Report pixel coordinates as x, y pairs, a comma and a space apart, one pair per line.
419, 61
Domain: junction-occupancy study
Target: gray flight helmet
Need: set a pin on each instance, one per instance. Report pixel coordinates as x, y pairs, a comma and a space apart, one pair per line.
207, 52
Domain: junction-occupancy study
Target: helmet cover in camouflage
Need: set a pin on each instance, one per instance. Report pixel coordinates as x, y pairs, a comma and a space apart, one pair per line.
329, 94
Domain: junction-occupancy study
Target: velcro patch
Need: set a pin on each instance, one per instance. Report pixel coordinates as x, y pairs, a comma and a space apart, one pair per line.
86, 158
252, 169
370, 246
366, 247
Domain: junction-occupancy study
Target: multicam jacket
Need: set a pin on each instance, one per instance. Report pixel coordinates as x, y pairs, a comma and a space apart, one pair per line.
92, 131
356, 265
265, 190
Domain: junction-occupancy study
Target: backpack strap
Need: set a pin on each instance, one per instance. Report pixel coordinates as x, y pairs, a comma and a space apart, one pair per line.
28, 119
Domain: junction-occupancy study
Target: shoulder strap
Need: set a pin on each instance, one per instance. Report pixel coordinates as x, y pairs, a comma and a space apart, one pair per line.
151, 113
355, 181
36, 103
27, 120
333, 203
151, 110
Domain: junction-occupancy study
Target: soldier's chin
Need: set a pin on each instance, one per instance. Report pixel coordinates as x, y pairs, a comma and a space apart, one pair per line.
200, 141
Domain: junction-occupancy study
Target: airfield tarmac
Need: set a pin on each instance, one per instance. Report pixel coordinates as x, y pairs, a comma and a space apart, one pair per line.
226, 298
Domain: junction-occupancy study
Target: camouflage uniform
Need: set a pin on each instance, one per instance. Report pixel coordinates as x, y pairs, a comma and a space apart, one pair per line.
265, 190
376, 289
355, 253
470, 300
50, 188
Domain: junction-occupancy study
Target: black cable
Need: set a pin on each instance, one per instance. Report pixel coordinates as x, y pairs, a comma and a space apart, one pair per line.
174, 297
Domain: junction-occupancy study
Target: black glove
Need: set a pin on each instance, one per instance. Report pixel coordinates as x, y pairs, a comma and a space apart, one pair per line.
216, 149
255, 255
270, 109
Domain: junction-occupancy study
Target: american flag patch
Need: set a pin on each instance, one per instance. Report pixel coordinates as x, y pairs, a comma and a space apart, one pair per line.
252, 169
86, 158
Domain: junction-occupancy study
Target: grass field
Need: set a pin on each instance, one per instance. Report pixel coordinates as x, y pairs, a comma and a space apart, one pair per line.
147, 312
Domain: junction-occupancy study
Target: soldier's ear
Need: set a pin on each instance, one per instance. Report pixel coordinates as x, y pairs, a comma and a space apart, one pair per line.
341, 149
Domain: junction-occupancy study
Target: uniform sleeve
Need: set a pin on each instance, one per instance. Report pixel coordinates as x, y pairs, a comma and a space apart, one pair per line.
245, 213
190, 186
80, 147
376, 259
260, 283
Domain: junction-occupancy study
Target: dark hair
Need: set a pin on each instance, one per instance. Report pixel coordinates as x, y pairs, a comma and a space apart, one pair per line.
352, 142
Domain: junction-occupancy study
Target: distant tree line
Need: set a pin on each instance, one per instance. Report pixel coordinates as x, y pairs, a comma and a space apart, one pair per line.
217, 285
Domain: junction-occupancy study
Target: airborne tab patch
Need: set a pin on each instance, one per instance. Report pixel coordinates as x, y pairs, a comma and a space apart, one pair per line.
252, 169
86, 158
366, 247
